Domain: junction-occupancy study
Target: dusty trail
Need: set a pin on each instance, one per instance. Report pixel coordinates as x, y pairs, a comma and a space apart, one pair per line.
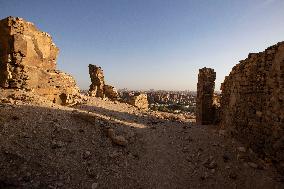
67, 147
180, 154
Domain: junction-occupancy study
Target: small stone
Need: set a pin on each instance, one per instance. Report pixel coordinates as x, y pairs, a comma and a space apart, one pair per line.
210, 163
222, 132
233, 175
110, 133
60, 184
226, 157
15, 118
95, 185
86, 154
57, 144
119, 140
227, 167
241, 149
253, 165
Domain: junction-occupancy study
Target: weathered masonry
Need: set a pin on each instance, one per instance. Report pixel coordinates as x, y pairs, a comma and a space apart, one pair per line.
252, 103
205, 91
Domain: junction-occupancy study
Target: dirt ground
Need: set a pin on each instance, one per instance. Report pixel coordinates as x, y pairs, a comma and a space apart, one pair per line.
51, 146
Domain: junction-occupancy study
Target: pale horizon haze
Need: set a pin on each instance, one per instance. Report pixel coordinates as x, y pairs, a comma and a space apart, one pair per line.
153, 44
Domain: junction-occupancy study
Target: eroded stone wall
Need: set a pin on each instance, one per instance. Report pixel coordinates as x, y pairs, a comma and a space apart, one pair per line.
98, 88
205, 113
252, 103
28, 61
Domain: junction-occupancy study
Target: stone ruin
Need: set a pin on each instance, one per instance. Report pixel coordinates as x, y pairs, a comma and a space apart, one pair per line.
137, 99
98, 88
28, 62
252, 102
205, 92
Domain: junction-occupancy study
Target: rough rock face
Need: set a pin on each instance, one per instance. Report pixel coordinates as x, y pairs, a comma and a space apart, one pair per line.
205, 113
98, 88
28, 61
110, 92
252, 103
138, 99
98, 81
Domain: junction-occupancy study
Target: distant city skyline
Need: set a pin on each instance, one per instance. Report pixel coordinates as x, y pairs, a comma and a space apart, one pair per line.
153, 44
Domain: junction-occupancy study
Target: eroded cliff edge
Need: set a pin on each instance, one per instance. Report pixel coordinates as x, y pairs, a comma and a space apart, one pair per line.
28, 62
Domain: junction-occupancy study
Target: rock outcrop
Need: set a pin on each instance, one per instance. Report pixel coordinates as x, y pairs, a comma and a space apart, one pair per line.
205, 113
252, 103
110, 92
28, 61
98, 88
137, 99
97, 81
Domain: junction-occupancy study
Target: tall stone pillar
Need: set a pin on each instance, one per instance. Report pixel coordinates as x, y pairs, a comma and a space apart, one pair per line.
97, 79
205, 91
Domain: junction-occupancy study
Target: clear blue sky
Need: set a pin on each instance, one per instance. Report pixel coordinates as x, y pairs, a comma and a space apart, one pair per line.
160, 44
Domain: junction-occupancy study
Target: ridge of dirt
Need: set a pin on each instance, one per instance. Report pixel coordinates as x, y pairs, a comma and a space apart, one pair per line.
44, 145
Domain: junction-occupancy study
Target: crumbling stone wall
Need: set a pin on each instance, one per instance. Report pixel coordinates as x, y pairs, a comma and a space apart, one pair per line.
98, 88
205, 92
28, 61
252, 102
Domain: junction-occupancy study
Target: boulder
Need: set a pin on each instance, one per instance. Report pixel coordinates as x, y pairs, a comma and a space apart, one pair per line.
110, 92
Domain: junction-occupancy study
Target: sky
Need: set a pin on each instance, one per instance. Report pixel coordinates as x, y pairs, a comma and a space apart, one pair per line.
153, 44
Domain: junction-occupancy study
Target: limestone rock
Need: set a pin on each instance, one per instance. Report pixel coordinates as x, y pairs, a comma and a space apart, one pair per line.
116, 139
138, 100
98, 88
28, 61
119, 140
110, 92
97, 79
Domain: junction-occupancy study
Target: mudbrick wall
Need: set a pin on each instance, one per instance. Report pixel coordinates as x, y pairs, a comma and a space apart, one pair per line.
205, 92
28, 61
252, 102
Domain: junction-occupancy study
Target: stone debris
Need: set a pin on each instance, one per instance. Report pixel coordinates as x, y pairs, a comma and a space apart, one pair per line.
253, 165
98, 88
28, 61
116, 139
241, 149
119, 140
95, 185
